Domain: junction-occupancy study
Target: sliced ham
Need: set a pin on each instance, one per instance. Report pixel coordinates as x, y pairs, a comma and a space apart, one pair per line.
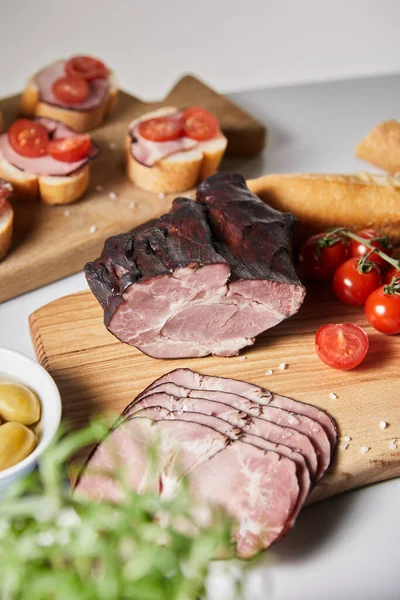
98, 88
46, 165
237, 410
223, 418
192, 380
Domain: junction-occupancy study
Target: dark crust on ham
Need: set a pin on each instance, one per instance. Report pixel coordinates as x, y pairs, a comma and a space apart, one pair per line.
228, 225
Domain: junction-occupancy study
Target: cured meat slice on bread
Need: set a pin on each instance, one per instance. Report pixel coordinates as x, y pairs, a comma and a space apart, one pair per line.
226, 455
206, 278
50, 93
59, 174
171, 165
324, 201
6, 218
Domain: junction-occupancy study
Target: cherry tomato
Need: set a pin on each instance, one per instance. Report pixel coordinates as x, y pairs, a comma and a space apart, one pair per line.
161, 129
320, 260
390, 275
28, 138
357, 250
353, 287
199, 124
70, 89
383, 310
341, 346
85, 67
70, 149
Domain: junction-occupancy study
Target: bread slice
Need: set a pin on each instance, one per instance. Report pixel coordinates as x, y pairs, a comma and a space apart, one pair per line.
322, 201
32, 106
180, 171
6, 229
381, 147
50, 189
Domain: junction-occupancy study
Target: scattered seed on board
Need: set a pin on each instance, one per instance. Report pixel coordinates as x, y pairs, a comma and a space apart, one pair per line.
344, 446
161, 195
333, 396
67, 213
112, 196
364, 449
132, 205
242, 357
112, 146
93, 229
269, 372
393, 444
383, 425
347, 438
283, 366
99, 188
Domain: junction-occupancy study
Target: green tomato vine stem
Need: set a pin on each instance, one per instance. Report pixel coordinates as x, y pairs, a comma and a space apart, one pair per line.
342, 231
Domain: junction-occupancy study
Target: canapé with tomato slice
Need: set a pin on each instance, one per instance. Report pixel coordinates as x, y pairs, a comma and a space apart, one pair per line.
44, 159
171, 150
79, 92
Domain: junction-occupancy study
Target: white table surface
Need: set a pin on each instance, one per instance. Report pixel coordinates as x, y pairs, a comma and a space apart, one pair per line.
345, 548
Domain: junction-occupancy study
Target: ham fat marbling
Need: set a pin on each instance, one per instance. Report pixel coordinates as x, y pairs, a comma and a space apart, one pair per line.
206, 278
257, 469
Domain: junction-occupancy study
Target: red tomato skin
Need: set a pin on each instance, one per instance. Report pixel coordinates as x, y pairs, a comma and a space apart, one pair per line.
28, 138
70, 89
390, 275
357, 250
341, 346
86, 67
70, 149
161, 129
352, 287
199, 124
321, 266
383, 311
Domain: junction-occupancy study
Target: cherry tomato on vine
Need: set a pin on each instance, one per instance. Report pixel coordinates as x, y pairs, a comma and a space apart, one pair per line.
321, 255
377, 240
342, 346
382, 309
353, 286
390, 275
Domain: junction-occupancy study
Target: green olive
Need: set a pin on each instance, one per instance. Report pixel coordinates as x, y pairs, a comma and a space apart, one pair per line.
16, 443
18, 403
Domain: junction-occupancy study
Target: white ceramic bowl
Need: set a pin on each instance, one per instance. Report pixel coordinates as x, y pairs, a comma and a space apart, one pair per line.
31, 374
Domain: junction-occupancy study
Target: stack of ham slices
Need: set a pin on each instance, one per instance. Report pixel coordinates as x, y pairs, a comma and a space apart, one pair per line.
253, 452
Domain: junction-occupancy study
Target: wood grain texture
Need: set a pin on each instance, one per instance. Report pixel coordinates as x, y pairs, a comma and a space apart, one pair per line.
96, 373
50, 244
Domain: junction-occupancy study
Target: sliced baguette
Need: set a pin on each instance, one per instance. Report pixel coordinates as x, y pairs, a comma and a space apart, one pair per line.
32, 106
49, 189
6, 229
180, 171
381, 147
323, 201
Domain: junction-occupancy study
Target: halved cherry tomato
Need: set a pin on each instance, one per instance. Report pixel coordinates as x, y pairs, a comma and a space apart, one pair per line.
161, 129
199, 124
320, 256
85, 67
341, 346
382, 310
357, 250
28, 138
351, 285
390, 275
70, 149
70, 89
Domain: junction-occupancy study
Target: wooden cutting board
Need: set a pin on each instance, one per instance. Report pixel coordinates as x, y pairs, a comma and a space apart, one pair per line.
51, 242
96, 373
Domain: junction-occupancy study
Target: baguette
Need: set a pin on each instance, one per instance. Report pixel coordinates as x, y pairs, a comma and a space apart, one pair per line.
50, 189
6, 229
381, 147
321, 202
80, 120
180, 171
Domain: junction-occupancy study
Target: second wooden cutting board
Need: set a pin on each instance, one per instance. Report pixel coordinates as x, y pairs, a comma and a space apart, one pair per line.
98, 374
